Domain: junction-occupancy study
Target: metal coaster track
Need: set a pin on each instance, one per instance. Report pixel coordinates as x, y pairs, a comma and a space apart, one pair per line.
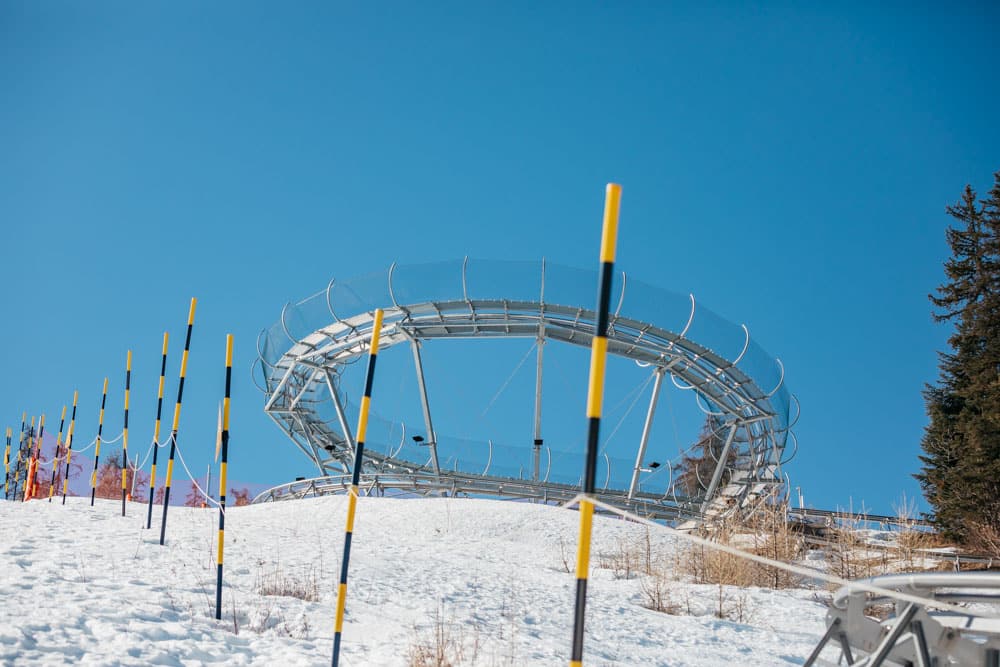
301, 378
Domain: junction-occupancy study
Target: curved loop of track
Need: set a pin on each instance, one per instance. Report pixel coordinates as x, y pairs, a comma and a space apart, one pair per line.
304, 375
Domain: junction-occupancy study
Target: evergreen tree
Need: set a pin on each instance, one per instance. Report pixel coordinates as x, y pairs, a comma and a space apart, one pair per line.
960, 475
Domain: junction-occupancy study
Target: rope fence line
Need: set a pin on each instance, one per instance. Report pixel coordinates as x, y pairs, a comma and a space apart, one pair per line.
194, 482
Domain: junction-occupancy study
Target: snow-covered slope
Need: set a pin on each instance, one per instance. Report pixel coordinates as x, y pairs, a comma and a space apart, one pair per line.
85, 585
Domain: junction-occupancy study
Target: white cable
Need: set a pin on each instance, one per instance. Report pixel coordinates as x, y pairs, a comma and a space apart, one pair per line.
508, 380
788, 567
89, 445
638, 395
111, 442
148, 452
191, 478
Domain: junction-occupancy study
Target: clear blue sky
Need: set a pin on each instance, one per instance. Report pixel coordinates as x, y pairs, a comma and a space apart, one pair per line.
789, 166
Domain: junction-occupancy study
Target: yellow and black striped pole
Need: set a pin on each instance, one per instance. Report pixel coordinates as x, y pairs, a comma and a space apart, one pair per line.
55, 458
6, 465
20, 444
69, 446
595, 399
23, 451
222, 475
31, 481
128, 386
352, 496
156, 432
176, 424
97, 444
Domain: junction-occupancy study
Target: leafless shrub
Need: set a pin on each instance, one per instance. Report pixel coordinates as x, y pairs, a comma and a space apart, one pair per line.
631, 557
442, 645
564, 555
766, 533
272, 580
656, 594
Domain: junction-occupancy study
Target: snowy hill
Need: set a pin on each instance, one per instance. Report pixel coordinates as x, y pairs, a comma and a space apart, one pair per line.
488, 578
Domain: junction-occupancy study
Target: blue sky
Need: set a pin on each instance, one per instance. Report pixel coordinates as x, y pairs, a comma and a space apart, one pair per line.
790, 166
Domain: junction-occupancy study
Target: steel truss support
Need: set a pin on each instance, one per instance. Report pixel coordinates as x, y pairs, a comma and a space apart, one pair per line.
537, 446
646, 428
720, 466
428, 424
341, 416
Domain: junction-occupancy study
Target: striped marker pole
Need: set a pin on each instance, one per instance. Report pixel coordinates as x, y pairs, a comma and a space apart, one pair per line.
6, 466
31, 482
23, 450
55, 459
156, 432
176, 424
69, 446
352, 496
97, 444
13, 491
595, 398
17, 466
128, 386
222, 475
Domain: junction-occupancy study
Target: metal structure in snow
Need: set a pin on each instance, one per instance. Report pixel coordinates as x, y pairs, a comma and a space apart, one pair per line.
739, 386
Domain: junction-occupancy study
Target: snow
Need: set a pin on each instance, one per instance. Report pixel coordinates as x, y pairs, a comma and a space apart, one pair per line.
83, 584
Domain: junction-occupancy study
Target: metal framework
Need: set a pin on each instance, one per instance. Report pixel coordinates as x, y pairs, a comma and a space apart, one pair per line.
744, 396
914, 633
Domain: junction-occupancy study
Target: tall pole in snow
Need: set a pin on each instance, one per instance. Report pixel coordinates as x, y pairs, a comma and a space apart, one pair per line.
222, 476
176, 424
128, 386
156, 432
352, 496
97, 444
595, 399
69, 447
55, 458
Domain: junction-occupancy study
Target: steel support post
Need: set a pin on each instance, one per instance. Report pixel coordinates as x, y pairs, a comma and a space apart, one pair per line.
720, 466
885, 648
646, 428
537, 447
341, 416
431, 436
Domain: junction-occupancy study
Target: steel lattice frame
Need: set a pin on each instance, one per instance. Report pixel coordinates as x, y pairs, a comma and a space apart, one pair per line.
743, 413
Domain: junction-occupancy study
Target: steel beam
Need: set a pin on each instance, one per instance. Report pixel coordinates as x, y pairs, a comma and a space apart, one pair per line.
646, 428
720, 466
428, 424
537, 446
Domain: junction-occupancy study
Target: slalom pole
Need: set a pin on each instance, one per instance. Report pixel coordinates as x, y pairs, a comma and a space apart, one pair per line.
222, 475
97, 445
69, 446
595, 398
23, 451
176, 424
17, 466
352, 496
6, 465
156, 432
55, 459
31, 482
128, 385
